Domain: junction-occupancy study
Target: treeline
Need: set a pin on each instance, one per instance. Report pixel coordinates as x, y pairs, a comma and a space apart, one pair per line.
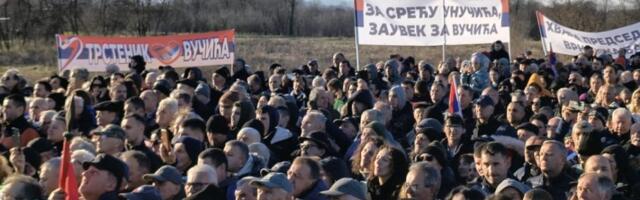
34, 21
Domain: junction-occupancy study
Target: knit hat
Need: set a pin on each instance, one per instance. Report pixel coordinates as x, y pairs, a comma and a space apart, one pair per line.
507, 183
335, 168
217, 124
600, 113
454, 120
377, 127
192, 146
162, 86
40, 145
203, 89
590, 143
223, 71
436, 150
431, 128
362, 96
255, 124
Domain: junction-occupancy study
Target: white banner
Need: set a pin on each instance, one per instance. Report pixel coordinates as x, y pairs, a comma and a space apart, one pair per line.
565, 40
431, 22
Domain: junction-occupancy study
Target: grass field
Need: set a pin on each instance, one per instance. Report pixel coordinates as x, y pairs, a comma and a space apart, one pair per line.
261, 51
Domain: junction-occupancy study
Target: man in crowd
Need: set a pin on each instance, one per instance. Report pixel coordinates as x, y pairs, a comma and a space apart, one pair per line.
241, 163
104, 176
274, 186
110, 140
423, 182
304, 175
216, 159
169, 181
13, 109
134, 126
556, 176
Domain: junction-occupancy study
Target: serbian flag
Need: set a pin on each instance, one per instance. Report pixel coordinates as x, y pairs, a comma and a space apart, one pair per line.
553, 61
454, 101
67, 179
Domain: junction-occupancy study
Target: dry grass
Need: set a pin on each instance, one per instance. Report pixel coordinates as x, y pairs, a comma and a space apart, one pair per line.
261, 51
291, 52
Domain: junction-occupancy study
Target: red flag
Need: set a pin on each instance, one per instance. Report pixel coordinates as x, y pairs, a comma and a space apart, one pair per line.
67, 180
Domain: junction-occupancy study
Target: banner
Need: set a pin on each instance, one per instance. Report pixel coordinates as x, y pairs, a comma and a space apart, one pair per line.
431, 22
569, 41
191, 50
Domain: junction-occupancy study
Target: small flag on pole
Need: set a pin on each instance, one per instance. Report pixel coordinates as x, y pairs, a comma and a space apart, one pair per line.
454, 101
67, 179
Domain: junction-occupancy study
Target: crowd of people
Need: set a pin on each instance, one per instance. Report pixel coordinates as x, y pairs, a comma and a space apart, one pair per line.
523, 128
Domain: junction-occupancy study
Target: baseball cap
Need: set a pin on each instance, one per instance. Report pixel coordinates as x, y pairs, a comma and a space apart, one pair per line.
223, 71
165, 173
144, 192
528, 126
346, 186
111, 164
40, 145
575, 106
112, 106
162, 86
113, 131
274, 180
601, 113
203, 89
189, 82
483, 101
319, 138
454, 120
282, 166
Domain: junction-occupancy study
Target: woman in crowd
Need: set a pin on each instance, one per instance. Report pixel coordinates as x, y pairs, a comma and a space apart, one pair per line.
390, 167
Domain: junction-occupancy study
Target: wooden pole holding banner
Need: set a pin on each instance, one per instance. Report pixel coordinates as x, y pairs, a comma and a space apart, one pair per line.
544, 48
355, 27
444, 23
509, 46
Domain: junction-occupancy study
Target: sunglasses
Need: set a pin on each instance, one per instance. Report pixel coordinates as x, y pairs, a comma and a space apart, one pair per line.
533, 147
424, 157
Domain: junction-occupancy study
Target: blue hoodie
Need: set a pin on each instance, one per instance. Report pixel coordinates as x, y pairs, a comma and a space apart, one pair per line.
480, 78
314, 192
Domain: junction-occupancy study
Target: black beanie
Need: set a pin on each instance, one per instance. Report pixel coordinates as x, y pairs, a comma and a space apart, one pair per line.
217, 124
192, 146
254, 123
590, 144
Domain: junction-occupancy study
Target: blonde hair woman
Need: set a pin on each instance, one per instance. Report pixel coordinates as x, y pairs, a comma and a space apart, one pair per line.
634, 103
